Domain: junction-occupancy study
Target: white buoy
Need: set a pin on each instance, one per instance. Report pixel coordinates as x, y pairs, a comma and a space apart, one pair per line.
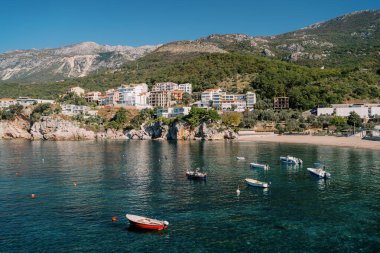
238, 192
43, 160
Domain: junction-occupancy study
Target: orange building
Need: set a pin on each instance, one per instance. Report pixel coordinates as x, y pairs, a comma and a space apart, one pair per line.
178, 95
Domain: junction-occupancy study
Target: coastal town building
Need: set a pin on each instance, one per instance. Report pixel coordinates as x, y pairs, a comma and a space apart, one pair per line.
142, 100
170, 86
344, 110
177, 95
375, 111
220, 100
251, 99
200, 104
160, 98
6, 102
167, 86
25, 101
281, 103
211, 96
173, 112
71, 110
93, 96
325, 111
111, 98
186, 87
130, 95
77, 90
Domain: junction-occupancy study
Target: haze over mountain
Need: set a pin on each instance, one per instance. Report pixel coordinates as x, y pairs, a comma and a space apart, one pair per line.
352, 39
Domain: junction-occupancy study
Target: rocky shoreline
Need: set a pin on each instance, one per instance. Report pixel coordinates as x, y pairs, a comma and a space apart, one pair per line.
55, 128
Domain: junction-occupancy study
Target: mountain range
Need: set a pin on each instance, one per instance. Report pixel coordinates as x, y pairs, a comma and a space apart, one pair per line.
349, 40
71, 61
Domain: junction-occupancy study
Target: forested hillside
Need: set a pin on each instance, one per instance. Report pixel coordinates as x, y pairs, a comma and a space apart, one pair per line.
307, 87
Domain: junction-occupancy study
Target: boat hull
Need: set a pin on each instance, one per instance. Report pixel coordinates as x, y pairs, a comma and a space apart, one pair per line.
260, 166
319, 173
146, 226
146, 223
196, 175
256, 183
290, 160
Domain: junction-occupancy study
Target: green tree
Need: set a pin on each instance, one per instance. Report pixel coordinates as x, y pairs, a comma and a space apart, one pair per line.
119, 120
231, 119
41, 110
72, 98
187, 99
199, 115
338, 121
11, 112
354, 119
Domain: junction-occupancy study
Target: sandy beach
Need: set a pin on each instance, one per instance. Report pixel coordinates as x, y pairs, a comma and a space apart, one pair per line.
351, 142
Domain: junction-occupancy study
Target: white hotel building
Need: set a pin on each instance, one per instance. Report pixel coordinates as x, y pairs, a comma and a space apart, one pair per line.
227, 102
344, 110
170, 86
133, 94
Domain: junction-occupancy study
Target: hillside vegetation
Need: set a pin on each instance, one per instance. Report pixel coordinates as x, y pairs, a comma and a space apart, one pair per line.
307, 87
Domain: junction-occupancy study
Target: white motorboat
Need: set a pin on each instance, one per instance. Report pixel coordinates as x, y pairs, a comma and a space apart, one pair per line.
290, 159
260, 166
196, 174
320, 172
240, 158
256, 183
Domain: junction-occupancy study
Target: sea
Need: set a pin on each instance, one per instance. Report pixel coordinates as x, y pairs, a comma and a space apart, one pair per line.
78, 186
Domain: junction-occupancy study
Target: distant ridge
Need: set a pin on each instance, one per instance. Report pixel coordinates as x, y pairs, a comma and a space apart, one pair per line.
349, 40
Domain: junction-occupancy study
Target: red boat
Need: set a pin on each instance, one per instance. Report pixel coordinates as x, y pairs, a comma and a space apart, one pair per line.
146, 223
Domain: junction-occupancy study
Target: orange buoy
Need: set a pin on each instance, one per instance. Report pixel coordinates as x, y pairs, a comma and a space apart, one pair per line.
114, 218
17, 174
33, 195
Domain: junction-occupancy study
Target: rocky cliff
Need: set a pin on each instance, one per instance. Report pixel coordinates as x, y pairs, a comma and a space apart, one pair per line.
54, 128
71, 61
57, 129
18, 128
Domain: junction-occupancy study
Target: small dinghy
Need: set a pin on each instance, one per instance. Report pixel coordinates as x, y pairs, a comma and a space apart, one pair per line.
146, 223
240, 158
259, 166
290, 160
196, 174
256, 183
320, 172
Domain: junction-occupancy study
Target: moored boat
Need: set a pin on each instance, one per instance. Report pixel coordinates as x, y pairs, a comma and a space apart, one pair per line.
320, 172
256, 183
196, 174
290, 159
146, 223
240, 158
259, 165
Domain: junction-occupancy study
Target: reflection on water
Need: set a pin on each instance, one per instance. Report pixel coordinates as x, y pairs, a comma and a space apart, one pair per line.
148, 178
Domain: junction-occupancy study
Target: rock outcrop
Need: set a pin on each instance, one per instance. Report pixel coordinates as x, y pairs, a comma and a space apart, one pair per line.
180, 131
19, 128
213, 133
57, 129
54, 128
111, 134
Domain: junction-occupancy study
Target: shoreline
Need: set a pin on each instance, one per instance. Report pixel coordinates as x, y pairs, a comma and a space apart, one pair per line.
348, 142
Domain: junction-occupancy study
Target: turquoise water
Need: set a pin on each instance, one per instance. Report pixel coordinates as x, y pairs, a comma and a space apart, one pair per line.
298, 213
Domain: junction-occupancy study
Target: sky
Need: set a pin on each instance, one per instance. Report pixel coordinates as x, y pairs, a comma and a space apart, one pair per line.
26, 24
